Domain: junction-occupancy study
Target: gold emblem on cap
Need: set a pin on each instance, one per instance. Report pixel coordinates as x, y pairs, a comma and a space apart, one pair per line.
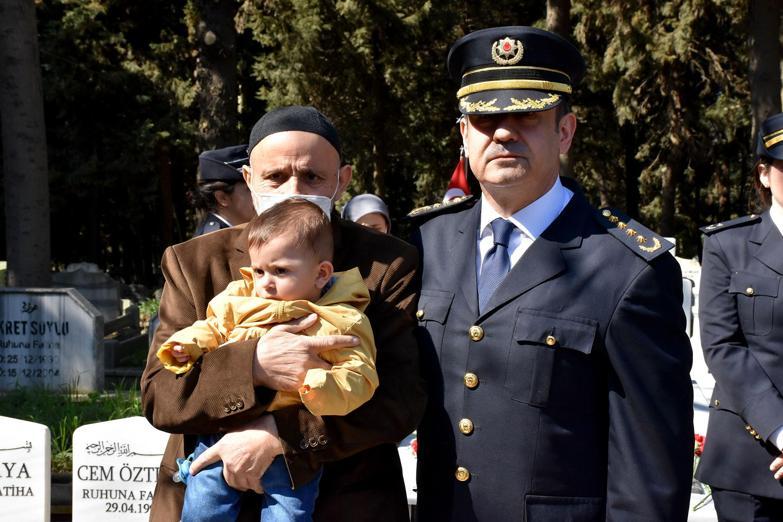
507, 51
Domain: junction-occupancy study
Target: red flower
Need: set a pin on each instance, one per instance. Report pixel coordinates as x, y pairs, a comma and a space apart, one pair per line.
698, 444
415, 447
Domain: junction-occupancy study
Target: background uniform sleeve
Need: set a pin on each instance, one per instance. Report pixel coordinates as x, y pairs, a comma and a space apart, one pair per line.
650, 443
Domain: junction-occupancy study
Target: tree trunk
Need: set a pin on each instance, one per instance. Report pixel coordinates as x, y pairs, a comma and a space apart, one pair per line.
764, 30
558, 17
216, 71
163, 160
633, 170
675, 159
26, 179
382, 105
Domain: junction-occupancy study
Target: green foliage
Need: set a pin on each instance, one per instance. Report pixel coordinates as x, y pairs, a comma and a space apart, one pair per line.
664, 112
673, 110
65, 411
118, 103
147, 308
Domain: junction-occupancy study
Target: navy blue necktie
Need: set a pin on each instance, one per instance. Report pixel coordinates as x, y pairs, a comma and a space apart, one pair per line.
496, 263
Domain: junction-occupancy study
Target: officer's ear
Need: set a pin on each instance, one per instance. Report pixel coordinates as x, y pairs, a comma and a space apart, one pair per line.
463, 130
223, 199
566, 128
763, 174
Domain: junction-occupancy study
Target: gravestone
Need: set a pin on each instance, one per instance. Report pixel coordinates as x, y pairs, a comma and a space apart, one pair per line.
408, 452
25, 470
97, 286
50, 337
115, 468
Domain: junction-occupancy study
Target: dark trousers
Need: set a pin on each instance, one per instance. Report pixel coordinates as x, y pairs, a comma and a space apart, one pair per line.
733, 506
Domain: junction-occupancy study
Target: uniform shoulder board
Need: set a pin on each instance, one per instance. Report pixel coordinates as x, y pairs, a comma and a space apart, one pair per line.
430, 211
723, 225
638, 238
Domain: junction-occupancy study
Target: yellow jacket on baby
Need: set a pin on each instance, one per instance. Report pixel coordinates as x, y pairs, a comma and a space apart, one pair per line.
236, 314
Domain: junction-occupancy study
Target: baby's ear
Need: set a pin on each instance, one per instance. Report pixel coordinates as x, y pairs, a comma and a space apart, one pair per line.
325, 271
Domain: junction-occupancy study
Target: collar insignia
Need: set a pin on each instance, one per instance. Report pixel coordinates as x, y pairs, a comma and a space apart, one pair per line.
507, 51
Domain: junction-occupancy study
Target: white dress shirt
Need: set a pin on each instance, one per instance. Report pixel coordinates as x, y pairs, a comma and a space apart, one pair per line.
221, 218
529, 223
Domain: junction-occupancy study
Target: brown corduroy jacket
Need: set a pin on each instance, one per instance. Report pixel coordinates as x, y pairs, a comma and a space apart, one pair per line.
362, 477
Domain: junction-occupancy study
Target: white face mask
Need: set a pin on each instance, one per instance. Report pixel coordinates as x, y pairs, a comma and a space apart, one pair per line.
264, 201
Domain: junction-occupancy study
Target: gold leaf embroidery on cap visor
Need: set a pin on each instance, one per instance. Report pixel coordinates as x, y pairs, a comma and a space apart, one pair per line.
529, 103
479, 106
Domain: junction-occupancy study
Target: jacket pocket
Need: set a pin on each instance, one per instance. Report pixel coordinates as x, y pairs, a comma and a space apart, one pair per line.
538, 337
539, 508
755, 296
432, 312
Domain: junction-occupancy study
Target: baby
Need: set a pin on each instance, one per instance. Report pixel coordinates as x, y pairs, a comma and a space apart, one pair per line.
291, 277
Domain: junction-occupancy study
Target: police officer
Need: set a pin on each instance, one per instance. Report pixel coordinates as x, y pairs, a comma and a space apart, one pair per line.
741, 316
553, 333
222, 197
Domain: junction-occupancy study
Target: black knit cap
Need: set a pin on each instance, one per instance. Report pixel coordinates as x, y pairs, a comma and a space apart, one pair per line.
294, 118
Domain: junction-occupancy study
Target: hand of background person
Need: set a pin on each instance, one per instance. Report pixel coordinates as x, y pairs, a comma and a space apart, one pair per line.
284, 354
246, 454
777, 467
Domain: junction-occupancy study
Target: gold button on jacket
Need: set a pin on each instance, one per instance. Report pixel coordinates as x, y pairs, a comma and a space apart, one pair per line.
420, 314
471, 380
476, 333
466, 426
551, 340
462, 474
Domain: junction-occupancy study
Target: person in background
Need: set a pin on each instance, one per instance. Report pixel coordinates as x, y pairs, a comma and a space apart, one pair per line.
221, 197
368, 210
741, 317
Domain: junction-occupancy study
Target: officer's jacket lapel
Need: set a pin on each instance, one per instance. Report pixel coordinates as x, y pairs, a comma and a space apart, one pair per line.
543, 260
770, 246
463, 254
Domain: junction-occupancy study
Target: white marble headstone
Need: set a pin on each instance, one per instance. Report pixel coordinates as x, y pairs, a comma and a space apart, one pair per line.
50, 337
115, 467
25, 470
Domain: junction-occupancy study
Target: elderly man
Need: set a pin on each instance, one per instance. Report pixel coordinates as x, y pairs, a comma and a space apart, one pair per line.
293, 151
553, 332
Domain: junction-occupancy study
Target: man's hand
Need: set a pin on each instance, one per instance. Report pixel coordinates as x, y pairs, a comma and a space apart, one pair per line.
246, 454
777, 467
283, 355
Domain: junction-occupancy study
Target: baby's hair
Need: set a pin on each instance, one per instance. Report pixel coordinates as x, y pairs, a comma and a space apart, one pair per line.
302, 220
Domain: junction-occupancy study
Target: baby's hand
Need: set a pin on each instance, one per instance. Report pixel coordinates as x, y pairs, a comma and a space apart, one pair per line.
179, 354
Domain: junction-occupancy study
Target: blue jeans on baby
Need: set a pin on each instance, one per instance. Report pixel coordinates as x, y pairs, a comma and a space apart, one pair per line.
209, 498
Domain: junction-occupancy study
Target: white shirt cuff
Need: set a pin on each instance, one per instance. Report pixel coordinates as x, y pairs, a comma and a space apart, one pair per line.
777, 438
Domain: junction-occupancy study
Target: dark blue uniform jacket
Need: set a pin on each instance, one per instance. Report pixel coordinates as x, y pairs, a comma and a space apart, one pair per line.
579, 398
741, 318
210, 223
